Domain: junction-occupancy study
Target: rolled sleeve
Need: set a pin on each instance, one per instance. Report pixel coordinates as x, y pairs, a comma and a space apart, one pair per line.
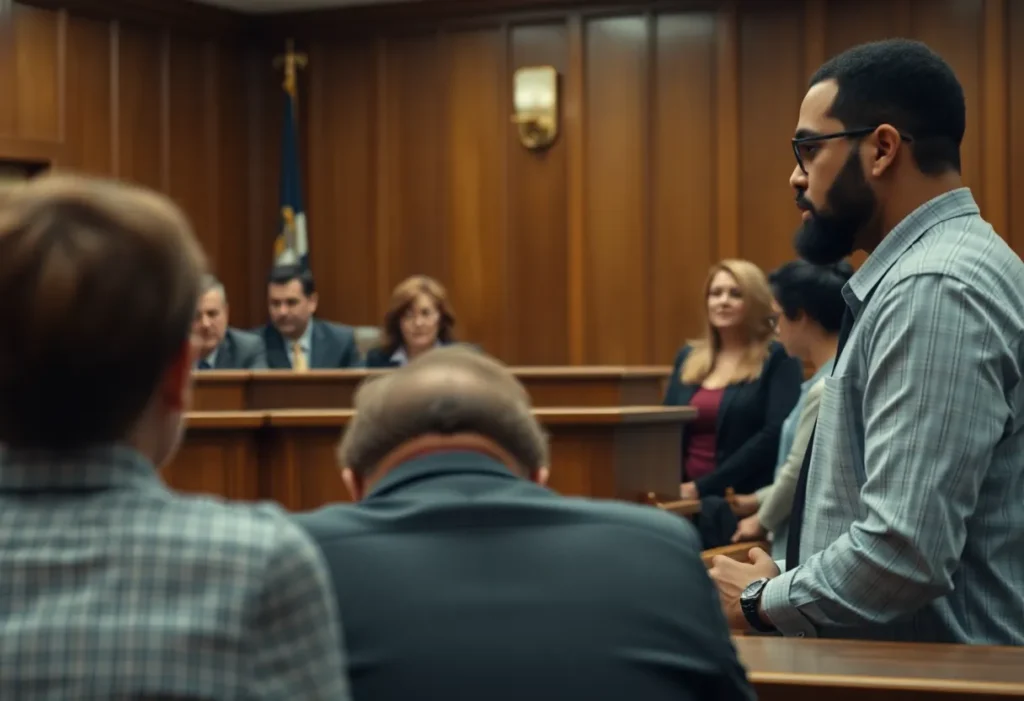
776, 606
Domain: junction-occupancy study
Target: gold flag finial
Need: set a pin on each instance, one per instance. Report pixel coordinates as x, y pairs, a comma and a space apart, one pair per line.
292, 62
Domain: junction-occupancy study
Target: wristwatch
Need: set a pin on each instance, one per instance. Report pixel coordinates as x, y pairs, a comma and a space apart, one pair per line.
750, 601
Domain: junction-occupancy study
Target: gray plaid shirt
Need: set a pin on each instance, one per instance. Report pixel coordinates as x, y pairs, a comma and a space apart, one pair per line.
114, 587
914, 523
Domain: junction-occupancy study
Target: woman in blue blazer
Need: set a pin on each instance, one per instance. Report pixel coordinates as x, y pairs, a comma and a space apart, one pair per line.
742, 383
420, 318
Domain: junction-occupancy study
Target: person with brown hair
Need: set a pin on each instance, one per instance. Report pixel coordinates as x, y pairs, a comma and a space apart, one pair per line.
420, 318
460, 575
116, 587
740, 380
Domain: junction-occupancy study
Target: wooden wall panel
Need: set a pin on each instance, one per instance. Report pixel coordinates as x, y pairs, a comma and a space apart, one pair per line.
413, 236
616, 266
1015, 102
771, 87
343, 126
139, 101
538, 216
683, 233
475, 122
90, 118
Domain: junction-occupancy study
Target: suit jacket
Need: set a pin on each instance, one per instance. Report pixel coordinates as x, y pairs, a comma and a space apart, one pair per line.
240, 350
457, 579
379, 358
749, 422
334, 347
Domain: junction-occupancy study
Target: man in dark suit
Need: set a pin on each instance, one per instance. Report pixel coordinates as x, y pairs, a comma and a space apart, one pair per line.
294, 338
459, 575
217, 346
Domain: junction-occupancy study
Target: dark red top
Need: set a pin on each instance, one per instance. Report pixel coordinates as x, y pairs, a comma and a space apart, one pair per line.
700, 448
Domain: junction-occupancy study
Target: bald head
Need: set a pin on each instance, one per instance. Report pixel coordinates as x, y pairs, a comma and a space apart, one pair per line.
447, 391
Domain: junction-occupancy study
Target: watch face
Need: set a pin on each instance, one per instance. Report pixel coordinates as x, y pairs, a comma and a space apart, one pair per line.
753, 589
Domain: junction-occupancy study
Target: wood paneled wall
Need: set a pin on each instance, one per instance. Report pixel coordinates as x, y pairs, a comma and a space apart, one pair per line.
156, 103
673, 150
673, 153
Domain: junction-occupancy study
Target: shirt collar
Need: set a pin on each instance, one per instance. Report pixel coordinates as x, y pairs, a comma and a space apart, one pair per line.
824, 371
306, 339
949, 205
99, 467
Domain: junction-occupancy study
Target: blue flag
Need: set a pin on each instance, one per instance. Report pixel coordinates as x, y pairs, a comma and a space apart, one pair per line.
292, 245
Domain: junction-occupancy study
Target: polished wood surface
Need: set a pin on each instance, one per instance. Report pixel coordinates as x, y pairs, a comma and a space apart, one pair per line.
798, 670
334, 389
289, 455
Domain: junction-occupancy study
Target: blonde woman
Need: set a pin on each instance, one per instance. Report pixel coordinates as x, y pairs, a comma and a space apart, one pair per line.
742, 383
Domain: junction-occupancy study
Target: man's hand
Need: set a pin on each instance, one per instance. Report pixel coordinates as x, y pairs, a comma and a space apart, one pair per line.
749, 528
732, 577
688, 490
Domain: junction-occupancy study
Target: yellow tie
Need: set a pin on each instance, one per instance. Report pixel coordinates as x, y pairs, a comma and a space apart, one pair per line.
299, 363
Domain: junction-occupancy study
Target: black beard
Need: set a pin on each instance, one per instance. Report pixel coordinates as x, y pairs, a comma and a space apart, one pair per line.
830, 235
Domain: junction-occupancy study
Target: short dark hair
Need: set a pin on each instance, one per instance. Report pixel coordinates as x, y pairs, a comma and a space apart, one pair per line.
905, 84
98, 289
283, 274
815, 290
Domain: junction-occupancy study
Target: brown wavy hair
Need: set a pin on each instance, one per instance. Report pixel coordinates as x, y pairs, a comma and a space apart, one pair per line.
403, 297
757, 298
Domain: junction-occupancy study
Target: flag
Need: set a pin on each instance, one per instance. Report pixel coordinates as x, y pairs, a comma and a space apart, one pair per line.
292, 245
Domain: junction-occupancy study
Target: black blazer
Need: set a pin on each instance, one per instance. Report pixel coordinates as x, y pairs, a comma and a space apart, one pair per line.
749, 422
378, 358
456, 579
334, 347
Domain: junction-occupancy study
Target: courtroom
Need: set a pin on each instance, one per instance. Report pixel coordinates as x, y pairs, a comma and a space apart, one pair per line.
511, 349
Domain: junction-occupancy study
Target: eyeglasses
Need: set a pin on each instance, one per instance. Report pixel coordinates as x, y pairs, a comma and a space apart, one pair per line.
804, 147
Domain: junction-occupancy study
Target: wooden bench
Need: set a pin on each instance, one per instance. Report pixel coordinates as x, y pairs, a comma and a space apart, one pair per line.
598, 386
288, 456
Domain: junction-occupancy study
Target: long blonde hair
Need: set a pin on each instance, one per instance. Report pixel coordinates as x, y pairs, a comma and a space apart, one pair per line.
757, 299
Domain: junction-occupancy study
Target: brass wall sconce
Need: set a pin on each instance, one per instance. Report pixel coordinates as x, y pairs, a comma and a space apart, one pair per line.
535, 98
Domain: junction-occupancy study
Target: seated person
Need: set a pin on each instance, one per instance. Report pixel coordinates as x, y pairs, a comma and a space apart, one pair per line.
294, 338
810, 306
741, 382
459, 575
218, 347
114, 586
420, 318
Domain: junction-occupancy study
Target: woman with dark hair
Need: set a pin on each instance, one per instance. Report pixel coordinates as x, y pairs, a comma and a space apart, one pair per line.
809, 304
420, 318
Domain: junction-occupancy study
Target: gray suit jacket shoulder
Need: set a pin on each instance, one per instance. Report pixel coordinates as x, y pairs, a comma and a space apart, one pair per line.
241, 350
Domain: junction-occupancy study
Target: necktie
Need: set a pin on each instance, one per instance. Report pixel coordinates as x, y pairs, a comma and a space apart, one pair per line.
796, 517
299, 361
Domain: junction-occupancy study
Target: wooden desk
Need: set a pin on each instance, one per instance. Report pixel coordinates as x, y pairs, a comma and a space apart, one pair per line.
288, 455
790, 669
333, 389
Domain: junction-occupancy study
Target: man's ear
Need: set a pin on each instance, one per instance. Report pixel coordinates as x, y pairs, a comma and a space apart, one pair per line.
887, 143
353, 483
541, 476
174, 388
314, 300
